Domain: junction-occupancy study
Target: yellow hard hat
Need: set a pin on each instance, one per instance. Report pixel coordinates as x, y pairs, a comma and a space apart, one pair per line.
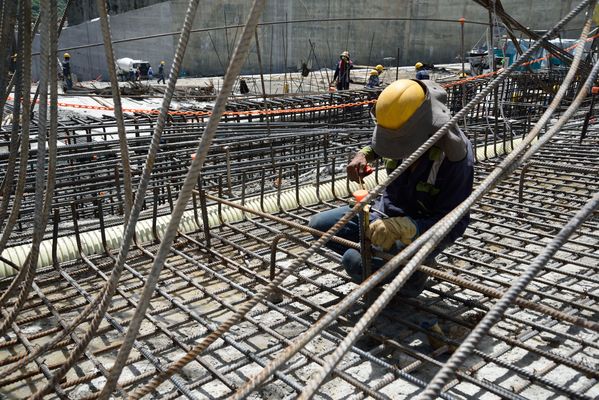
67, 55
374, 72
418, 65
398, 102
379, 68
161, 62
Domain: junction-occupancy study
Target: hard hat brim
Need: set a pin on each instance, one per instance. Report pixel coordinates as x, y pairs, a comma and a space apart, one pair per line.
393, 144
398, 144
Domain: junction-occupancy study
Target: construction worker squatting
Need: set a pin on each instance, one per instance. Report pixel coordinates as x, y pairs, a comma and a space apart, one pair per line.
407, 113
422, 71
373, 79
380, 69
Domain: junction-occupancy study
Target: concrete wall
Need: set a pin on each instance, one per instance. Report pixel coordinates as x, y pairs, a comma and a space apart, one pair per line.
84, 10
90, 63
283, 47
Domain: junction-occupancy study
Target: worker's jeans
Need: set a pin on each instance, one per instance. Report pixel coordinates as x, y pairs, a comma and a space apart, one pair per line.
352, 260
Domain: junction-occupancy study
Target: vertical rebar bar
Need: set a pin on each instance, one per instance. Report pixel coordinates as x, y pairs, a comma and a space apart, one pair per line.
118, 110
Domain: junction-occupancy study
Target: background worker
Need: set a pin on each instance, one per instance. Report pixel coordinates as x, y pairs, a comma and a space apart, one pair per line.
342, 69
66, 72
407, 113
422, 72
373, 79
380, 69
12, 66
161, 72
243, 86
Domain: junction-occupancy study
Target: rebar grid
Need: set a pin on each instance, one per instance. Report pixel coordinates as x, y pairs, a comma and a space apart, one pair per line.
89, 149
201, 286
544, 345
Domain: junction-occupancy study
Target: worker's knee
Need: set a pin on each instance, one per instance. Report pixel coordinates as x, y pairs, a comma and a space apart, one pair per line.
317, 221
415, 285
352, 262
323, 221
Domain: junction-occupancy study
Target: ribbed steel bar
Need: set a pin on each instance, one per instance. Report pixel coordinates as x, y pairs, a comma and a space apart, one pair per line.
111, 285
436, 385
210, 274
449, 220
234, 69
44, 187
563, 389
118, 110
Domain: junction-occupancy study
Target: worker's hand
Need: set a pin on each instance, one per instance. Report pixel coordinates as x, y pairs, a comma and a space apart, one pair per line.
358, 167
384, 232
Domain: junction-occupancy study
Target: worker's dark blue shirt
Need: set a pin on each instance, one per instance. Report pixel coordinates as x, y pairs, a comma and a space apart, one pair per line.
66, 68
426, 197
422, 75
373, 81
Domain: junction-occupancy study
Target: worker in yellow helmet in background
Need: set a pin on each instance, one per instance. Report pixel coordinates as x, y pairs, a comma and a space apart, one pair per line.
380, 69
422, 71
373, 79
406, 114
66, 73
12, 66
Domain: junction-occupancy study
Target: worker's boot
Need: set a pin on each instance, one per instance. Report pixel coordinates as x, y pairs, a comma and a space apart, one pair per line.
414, 286
417, 282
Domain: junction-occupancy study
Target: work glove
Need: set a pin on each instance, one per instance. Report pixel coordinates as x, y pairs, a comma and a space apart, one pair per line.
384, 232
358, 167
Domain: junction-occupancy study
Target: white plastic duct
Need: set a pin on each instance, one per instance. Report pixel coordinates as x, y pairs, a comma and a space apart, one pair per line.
497, 149
91, 242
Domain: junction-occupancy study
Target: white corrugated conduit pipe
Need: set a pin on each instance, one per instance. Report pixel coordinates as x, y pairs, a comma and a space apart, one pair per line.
91, 242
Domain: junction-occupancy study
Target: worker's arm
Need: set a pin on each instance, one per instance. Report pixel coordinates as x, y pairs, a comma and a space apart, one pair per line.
358, 167
369, 152
454, 187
